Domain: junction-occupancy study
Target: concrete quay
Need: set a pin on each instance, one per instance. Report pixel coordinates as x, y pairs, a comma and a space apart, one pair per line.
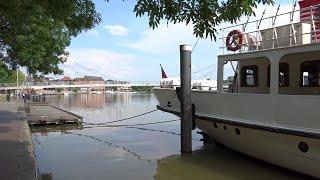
17, 159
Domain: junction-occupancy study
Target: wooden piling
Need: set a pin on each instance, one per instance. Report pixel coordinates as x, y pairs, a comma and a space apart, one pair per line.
185, 93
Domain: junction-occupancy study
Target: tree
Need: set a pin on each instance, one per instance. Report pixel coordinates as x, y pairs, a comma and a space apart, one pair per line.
35, 33
228, 80
10, 76
205, 15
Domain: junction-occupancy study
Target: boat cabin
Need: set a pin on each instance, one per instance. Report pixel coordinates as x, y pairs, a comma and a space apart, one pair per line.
281, 59
269, 110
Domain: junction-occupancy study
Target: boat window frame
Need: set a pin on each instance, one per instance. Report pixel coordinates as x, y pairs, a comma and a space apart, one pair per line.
243, 76
287, 74
302, 71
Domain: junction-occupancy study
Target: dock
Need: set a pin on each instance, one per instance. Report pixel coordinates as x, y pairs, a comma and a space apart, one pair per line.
63, 129
47, 114
16, 152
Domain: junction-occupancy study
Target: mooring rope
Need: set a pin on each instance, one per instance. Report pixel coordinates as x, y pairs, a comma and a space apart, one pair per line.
124, 119
131, 117
130, 125
136, 155
145, 129
161, 131
155, 130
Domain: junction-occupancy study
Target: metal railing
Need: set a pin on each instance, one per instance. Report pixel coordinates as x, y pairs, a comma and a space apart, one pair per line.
75, 84
272, 36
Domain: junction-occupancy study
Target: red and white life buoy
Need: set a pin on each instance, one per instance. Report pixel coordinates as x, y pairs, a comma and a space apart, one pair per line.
234, 40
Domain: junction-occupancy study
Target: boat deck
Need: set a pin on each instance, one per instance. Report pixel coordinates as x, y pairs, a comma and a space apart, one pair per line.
46, 114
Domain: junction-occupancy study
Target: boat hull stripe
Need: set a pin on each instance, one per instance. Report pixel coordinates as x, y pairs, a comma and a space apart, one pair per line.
250, 125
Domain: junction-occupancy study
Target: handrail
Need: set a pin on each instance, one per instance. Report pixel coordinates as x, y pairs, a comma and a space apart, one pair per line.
255, 41
283, 37
269, 17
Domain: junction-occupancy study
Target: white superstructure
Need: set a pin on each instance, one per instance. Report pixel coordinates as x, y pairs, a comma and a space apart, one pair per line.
205, 84
271, 112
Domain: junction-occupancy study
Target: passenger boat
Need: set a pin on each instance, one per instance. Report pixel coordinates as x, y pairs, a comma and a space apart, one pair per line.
270, 111
96, 92
203, 84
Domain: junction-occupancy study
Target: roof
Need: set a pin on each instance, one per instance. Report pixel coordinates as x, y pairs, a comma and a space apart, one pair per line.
93, 78
66, 78
78, 79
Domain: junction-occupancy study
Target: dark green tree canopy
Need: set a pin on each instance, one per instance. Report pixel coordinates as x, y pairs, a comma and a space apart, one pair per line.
35, 33
205, 15
10, 76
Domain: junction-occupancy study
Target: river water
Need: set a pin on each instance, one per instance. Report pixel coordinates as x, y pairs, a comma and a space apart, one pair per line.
139, 152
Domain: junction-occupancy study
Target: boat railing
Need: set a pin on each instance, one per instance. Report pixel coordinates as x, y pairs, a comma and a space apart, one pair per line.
297, 27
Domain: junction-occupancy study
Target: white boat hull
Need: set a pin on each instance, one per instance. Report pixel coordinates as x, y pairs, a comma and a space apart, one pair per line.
275, 148
256, 133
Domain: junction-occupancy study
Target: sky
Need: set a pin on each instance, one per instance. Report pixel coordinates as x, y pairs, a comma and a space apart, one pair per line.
123, 47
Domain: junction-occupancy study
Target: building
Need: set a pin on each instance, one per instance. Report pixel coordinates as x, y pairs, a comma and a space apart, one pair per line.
66, 79
91, 80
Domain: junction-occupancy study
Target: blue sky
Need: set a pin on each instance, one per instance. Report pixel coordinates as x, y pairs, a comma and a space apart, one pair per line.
123, 47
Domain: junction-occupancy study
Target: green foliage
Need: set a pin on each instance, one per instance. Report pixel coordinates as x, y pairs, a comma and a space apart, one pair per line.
228, 80
205, 15
75, 89
59, 90
147, 89
35, 33
114, 88
10, 76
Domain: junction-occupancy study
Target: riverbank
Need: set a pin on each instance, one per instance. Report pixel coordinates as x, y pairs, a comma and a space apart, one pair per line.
16, 152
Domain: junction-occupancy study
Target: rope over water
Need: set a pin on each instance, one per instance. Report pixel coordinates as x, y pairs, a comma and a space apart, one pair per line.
129, 125
124, 119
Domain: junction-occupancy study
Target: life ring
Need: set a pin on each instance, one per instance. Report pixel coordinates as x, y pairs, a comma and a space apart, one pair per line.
234, 40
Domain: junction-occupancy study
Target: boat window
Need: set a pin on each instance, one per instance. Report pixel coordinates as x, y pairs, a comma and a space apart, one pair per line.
310, 74
283, 75
249, 76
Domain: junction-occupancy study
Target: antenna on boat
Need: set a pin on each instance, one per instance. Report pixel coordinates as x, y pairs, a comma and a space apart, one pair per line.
293, 32
245, 25
275, 34
293, 10
264, 11
275, 16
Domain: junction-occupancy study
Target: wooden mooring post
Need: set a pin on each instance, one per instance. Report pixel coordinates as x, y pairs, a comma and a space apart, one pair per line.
185, 100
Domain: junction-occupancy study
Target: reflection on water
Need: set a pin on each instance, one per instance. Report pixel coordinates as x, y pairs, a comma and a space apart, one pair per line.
46, 176
81, 100
140, 152
98, 100
63, 129
219, 163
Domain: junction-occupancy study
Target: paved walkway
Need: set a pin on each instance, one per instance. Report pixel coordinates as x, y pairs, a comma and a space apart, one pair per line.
17, 160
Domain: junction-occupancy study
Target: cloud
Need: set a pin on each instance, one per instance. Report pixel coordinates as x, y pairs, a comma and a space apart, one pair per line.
283, 17
98, 62
92, 32
167, 38
164, 39
116, 30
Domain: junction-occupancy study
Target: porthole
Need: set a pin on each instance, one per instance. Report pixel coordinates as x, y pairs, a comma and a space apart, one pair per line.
215, 125
169, 104
303, 147
237, 130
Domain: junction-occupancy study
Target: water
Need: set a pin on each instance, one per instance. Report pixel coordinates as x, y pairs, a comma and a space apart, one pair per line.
142, 152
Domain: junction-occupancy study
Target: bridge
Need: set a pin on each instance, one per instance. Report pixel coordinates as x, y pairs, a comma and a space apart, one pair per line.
38, 86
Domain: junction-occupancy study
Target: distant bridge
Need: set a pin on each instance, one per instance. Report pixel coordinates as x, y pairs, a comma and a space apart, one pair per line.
36, 86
